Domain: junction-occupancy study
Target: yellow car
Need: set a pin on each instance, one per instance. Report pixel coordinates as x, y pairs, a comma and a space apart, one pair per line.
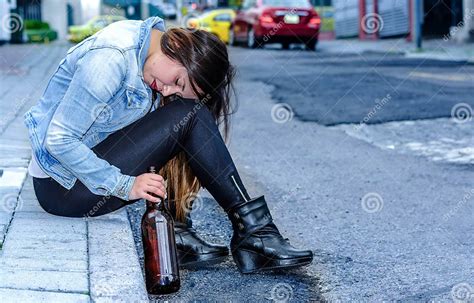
77, 33
216, 21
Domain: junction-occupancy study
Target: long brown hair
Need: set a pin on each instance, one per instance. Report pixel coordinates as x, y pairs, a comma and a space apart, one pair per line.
206, 60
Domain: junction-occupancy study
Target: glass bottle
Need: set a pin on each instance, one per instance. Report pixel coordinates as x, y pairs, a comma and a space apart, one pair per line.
159, 245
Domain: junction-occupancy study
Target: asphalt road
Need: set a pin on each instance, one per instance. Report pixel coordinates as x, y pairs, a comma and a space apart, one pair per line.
383, 223
334, 88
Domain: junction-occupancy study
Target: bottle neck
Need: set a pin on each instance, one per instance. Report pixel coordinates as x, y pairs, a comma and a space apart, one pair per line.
155, 205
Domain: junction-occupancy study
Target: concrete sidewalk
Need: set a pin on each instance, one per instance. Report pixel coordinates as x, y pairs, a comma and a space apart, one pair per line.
51, 258
47, 258
439, 49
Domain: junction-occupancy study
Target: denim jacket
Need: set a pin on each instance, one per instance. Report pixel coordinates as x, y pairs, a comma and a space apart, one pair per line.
97, 89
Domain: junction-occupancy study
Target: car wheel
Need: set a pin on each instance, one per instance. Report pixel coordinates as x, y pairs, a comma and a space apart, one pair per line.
285, 45
252, 40
311, 44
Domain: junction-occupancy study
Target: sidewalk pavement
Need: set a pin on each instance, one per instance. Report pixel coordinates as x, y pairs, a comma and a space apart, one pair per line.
47, 258
438, 49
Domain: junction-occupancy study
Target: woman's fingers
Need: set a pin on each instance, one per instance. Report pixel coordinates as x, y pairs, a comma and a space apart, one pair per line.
148, 183
158, 184
156, 177
156, 180
156, 190
150, 197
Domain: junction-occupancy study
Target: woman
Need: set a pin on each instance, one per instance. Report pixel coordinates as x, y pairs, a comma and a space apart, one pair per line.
96, 131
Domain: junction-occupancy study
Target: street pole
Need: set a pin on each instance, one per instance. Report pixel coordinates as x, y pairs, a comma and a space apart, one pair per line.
179, 7
418, 23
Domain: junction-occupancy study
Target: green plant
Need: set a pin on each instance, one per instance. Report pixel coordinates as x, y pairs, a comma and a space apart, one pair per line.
35, 24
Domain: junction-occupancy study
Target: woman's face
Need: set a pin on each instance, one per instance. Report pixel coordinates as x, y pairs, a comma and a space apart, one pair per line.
167, 76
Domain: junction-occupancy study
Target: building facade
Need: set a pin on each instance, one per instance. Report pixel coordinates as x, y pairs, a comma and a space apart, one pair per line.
374, 19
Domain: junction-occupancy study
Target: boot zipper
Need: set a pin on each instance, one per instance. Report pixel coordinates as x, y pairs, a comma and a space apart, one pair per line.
236, 185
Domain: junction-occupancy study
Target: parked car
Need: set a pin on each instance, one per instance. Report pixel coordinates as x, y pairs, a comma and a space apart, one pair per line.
259, 22
39, 31
77, 33
217, 21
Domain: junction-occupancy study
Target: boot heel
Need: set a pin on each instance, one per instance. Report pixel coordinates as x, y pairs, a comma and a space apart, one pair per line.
248, 261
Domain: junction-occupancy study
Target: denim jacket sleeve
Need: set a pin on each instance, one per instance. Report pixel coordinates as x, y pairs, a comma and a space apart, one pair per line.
97, 79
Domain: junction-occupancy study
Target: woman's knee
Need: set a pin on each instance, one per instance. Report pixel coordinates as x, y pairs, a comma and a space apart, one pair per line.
186, 113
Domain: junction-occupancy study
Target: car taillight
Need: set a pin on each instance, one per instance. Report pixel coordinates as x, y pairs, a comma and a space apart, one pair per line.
266, 19
314, 21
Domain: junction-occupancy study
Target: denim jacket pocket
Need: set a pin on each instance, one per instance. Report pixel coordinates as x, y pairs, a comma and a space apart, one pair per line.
128, 107
135, 98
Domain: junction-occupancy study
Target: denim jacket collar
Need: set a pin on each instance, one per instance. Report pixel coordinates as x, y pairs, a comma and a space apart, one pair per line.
144, 39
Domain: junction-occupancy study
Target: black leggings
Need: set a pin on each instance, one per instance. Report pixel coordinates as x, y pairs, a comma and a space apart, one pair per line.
181, 125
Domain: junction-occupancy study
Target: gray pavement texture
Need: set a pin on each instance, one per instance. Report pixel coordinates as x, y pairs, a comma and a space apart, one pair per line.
385, 206
223, 282
385, 224
335, 87
390, 226
441, 140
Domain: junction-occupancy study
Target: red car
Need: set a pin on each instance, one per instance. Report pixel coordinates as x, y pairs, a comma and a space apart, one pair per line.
275, 21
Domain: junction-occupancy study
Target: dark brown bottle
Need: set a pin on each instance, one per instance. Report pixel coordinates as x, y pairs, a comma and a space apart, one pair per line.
159, 245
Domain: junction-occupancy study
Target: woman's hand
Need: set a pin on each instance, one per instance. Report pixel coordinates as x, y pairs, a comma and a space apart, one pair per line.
148, 183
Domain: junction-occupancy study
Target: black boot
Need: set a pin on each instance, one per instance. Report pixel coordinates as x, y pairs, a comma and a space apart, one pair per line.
257, 243
193, 250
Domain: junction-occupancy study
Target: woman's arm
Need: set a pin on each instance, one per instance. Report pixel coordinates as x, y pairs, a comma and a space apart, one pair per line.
97, 79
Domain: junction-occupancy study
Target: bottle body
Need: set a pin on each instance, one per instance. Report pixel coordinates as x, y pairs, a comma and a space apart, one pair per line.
159, 244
